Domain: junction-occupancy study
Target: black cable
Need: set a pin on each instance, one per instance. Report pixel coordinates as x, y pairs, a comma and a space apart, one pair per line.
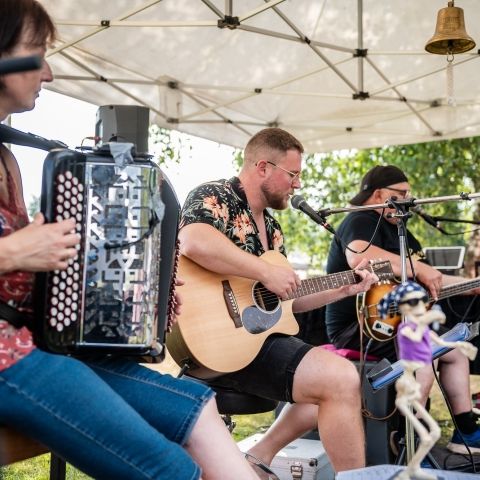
409, 254
346, 247
447, 403
126, 244
463, 316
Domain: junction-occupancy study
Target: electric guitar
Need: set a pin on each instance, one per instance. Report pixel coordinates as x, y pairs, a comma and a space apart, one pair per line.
226, 319
383, 330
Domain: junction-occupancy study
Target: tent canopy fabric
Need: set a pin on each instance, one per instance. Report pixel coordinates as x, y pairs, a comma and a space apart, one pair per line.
336, 73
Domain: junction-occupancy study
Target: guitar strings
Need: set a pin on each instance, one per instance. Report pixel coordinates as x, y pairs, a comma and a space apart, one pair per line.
446, 292
327, 282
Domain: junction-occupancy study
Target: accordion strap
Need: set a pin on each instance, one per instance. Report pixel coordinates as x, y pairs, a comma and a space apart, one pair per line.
15, 317
17, 137
11, 135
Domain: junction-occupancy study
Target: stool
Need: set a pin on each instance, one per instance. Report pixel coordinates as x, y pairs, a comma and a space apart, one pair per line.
232, 402
15, 447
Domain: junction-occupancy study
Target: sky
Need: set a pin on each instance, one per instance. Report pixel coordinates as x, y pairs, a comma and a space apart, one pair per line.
59, 117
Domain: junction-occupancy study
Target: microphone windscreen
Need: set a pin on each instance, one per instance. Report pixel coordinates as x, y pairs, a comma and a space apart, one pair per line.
296, 200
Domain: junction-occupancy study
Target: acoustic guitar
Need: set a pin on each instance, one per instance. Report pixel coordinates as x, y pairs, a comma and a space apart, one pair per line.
384, 330
226, 319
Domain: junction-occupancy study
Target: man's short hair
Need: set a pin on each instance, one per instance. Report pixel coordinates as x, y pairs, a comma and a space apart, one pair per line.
271, 139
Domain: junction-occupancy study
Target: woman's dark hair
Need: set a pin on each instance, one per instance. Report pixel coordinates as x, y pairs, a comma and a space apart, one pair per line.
16, 15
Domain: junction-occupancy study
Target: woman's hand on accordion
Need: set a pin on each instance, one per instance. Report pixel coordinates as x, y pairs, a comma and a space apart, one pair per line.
40, 246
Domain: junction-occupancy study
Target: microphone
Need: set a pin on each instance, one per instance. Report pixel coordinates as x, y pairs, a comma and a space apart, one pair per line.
20, 64
428, 218
299, 203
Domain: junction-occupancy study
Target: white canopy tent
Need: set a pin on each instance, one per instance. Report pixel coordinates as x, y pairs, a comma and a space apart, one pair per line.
336, 73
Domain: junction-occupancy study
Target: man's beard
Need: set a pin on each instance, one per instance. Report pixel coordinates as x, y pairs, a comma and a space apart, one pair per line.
273, 199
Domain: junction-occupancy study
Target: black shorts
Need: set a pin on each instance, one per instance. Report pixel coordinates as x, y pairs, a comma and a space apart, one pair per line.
350, 338
271, 373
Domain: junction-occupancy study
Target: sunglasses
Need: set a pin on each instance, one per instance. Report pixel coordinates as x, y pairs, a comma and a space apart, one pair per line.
403, 193
413, 302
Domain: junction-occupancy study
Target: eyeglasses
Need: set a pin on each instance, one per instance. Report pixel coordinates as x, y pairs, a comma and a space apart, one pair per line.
403, 193
293, 175
413, 302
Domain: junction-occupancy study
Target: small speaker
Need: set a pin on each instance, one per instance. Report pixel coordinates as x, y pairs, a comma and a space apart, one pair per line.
123, 123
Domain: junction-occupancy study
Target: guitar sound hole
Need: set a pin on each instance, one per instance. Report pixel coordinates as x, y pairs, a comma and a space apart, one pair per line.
265, 299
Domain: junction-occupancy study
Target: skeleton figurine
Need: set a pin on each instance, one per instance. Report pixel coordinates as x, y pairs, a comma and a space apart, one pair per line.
414, 351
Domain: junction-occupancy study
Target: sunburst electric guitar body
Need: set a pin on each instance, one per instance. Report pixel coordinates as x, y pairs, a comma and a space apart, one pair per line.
385, 329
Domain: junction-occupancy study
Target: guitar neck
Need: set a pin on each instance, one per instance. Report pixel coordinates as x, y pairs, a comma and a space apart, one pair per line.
456, 289
445, 292
325, 282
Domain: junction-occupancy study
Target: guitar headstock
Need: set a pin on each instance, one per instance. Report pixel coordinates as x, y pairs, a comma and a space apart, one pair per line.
382, 269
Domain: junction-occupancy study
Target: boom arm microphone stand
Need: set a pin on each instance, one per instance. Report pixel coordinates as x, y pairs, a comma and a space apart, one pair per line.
402, 214
456, 220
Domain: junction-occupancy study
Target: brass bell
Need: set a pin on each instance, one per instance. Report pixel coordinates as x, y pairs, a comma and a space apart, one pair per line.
450, 36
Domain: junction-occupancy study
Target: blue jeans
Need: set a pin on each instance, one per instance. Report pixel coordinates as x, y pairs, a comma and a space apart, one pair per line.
111, 418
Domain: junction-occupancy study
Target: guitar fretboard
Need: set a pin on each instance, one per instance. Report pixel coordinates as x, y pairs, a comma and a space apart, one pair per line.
456, 289
325, 282
445, 292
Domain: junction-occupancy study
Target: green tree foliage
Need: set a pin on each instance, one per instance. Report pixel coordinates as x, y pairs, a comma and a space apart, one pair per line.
434, 169
34, 205
167, 144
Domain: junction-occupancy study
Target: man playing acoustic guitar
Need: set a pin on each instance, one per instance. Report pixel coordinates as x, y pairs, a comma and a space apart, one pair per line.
226, 228
356, 230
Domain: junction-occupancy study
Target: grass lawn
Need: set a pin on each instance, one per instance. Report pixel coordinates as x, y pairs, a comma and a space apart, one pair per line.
38, 468
440, 412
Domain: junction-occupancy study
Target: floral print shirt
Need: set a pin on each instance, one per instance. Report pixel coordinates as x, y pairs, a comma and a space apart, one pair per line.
15, 287
223, 204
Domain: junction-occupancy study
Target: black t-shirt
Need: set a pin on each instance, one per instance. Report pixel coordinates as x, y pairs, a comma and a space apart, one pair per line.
360, 226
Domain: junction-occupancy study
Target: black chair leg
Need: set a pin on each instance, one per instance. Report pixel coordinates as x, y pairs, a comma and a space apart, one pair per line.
58, 467
229, 422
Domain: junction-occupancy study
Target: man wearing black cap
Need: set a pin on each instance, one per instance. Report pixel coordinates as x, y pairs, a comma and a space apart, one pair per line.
357, 229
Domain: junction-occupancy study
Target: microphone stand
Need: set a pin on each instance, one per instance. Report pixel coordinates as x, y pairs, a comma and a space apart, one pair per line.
456, 220
402, 214
411, 202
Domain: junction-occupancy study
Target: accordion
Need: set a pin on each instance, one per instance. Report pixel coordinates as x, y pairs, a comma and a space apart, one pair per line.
116, 296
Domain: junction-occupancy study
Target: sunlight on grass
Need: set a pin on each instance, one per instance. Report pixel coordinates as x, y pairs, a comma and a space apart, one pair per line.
247, 425
37, 468
439, 410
